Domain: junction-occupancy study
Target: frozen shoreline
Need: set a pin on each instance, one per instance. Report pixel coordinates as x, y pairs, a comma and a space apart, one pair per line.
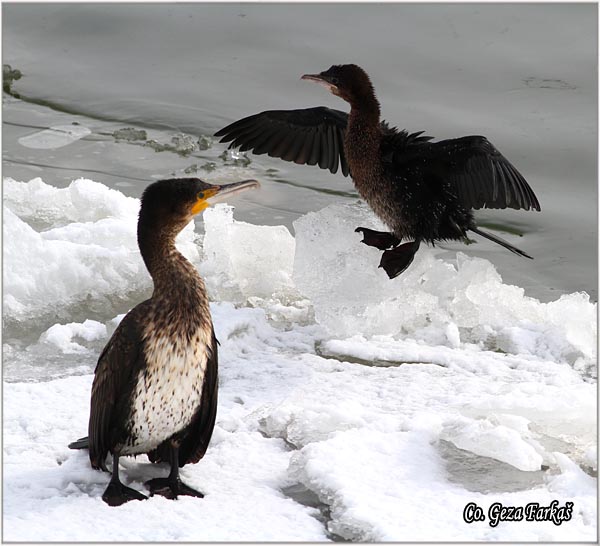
485, 395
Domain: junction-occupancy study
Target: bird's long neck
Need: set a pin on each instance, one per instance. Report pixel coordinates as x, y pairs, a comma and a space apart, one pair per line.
365, 106
362, 140
175, 278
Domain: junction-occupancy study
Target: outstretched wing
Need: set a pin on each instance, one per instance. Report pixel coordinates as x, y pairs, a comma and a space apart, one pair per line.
309, 136
196, 437
479, 174
115, 374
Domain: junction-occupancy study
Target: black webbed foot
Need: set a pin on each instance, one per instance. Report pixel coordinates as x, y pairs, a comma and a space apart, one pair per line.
171, 489
378, 239
116, 494
172, 486
396, 260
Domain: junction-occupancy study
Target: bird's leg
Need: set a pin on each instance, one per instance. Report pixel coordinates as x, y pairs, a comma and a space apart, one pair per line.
116, 493
102, 465
172, 486
396, 260
378, 239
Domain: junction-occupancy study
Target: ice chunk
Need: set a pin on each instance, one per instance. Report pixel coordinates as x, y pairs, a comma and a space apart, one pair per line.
61, 335
590, 457
572, 480
301, 425
487, 439
436, 301
181, 144
576, 316
339, 275
130, 134
242, 260
453, 335
369, 480
54, 137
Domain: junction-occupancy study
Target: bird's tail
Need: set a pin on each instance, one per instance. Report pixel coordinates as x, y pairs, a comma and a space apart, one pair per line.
82, 443
501, 242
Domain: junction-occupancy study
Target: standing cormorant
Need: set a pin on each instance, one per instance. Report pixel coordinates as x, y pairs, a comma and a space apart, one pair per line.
422, 190
155, 384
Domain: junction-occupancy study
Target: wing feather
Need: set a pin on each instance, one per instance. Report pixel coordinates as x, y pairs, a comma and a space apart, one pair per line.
332, 143
266, 141
305, 152
282, 146
481, 176
324, 151
297, 145
316, 148
308, 136
118, 365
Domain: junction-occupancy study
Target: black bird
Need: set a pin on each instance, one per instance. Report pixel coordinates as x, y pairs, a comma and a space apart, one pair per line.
422, 190
155, 384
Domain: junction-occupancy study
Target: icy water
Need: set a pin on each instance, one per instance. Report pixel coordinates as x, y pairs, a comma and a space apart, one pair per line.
523, 75
350, 407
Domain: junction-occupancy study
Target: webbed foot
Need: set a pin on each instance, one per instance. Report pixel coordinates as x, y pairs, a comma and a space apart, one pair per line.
378, 239
116, 494
171, 489
396, 260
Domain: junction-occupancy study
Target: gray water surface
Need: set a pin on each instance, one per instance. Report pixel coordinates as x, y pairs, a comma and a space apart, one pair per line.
524, 75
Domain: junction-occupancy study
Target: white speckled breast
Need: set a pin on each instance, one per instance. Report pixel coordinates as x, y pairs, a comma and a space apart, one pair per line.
168, 390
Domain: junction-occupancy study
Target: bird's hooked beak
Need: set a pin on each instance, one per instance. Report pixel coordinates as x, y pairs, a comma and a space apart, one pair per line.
319, 78
217, 193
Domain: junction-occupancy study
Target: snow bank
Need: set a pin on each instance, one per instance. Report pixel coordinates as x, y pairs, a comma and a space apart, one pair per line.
350, 406
366, 442
85, 253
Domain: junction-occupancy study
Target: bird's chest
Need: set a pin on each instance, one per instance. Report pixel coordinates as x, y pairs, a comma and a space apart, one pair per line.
168, 389
368, 175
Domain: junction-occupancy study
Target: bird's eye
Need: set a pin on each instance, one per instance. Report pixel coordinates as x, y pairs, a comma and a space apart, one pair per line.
335, 81
201, 195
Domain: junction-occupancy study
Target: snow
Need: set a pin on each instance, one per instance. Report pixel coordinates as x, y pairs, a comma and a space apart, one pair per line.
350, 406
61, 335
483, 437
88, 250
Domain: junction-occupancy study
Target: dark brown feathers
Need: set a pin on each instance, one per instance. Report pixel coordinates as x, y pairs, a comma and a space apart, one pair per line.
480, 174
114, 381
307, 137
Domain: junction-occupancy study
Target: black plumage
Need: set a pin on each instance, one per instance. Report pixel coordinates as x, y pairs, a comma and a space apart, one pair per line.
155, 384
422, 190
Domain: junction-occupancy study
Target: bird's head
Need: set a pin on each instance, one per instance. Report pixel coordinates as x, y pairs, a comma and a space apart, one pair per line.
172, 203
348, 81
